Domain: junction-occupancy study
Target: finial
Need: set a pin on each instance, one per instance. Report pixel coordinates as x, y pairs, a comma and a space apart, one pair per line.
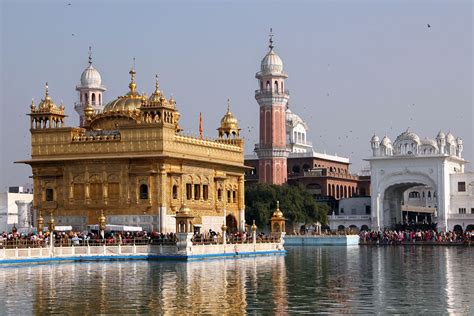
90, 55
157, 85
132, 84
46, 90
271, 39
278, 205
228, 105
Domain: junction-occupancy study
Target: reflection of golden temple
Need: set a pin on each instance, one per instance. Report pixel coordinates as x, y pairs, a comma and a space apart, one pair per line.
131, 160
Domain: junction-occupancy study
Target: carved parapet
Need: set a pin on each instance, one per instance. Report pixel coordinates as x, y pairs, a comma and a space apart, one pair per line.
229, 144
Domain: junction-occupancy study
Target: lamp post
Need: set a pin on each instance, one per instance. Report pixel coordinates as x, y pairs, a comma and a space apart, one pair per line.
40, 223
102, 223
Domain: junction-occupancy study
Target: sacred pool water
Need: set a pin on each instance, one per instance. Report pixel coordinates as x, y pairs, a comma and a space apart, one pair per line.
414, 280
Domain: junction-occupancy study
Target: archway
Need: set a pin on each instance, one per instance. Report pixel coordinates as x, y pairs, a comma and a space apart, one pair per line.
231, 223
364, 228
388, 204
457, 228
341, 227
392, 204
470, 228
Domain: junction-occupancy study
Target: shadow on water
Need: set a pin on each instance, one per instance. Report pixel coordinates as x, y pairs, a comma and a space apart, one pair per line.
307, 280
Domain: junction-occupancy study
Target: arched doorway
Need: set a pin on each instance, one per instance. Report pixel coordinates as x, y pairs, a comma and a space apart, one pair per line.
470, 228
354, 229
341, 227
364, 228
231, 224
387, 203
457, 228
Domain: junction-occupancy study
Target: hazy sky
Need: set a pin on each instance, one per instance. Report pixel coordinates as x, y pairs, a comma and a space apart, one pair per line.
355, 67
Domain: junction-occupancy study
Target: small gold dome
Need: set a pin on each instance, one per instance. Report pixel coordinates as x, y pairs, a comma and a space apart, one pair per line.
277, 212
155, 97
229, 124
47, 104
89, 110
229, 121
184, 209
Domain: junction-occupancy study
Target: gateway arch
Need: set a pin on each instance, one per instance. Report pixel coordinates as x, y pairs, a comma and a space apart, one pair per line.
412, 162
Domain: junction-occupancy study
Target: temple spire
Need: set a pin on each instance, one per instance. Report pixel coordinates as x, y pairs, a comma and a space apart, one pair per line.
90, 55
271, 39
132, 85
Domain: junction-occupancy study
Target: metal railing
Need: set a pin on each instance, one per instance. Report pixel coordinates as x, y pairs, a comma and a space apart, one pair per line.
271, 92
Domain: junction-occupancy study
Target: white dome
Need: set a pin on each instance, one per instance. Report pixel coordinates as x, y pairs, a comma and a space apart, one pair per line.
440, 135
429, 142
407, 135
271, 63
386, 142
375, 138
293, 119
91, 78
450, 138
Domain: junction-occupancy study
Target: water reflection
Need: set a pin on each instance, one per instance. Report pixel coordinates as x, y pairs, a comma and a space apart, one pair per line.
308, 280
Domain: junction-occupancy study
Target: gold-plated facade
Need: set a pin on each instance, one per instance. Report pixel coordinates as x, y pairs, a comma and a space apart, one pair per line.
132, 161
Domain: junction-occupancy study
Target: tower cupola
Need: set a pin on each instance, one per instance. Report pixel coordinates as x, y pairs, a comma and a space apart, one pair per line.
229, 124
90, 91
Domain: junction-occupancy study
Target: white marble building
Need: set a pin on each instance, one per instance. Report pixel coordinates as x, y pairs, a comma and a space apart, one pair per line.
408, 163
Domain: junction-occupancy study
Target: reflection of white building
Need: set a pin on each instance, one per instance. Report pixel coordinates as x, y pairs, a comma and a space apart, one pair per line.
15, 209
410, 165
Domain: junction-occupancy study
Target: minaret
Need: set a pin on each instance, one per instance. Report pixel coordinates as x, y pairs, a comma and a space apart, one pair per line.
272, 97
90, 91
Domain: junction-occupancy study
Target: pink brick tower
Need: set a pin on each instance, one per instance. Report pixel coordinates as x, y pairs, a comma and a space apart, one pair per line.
272, 97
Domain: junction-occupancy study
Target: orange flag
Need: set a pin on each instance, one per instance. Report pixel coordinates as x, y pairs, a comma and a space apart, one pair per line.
200, 124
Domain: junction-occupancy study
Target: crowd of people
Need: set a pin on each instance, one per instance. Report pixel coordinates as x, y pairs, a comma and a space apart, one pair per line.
39, 239
72, 238
397, 237
212, 237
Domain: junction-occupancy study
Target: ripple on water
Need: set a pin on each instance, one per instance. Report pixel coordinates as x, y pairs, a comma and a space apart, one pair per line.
327, 280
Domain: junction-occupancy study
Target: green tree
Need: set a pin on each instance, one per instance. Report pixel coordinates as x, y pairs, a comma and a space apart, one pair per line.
296, 203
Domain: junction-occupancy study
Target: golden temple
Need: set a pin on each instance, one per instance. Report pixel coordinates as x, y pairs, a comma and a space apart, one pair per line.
131, 160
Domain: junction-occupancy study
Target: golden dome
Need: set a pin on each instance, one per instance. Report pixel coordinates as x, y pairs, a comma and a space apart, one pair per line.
89, 110
128, 103
156, 96
47, 104
277, 212
229, 121
124, 104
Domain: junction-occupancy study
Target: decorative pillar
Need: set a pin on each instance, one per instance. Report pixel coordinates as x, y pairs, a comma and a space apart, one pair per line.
23, 215
241, 203
163, 199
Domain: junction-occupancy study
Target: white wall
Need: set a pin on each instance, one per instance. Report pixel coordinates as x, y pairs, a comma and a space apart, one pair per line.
9, 209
